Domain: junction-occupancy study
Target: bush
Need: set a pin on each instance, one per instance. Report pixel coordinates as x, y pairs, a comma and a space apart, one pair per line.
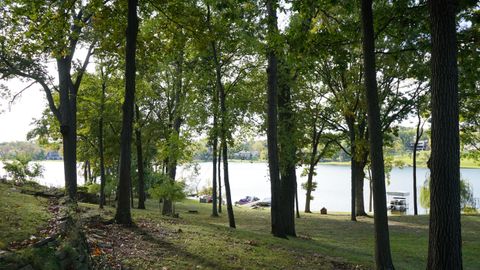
93, 188
20, 170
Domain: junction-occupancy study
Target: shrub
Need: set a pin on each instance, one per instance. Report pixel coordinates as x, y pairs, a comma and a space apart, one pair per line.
20, 170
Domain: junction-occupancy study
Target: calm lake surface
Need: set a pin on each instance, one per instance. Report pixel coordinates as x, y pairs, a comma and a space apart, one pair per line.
333, 191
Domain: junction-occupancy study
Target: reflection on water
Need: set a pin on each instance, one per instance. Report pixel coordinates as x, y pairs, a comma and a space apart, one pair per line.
333, 190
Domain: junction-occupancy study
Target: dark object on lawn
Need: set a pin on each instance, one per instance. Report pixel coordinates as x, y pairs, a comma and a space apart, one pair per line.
193, 211
323, 211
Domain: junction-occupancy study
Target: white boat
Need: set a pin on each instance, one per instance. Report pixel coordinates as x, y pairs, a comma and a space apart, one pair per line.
398, 201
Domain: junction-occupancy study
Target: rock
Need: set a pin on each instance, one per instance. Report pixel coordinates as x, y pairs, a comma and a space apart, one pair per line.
104, 245
61, 254
323, 211
44, 241
4, 254
193, 211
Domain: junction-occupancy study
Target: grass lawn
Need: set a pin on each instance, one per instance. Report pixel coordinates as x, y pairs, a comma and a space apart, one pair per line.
21, 215
324, 242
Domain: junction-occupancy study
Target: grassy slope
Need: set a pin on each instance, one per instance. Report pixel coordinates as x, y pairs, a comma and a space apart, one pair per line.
209, 242
20, 215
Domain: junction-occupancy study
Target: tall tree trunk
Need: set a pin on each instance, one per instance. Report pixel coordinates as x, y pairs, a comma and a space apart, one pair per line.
223, 134
296, 201
214, 162
231, 217
445, 239
414, 163
418, 135
101, 149
85, 173
140, 164
123, 207
278, 227
68, 126
359, 180
287, 153
219, 180
131, 194
383, 259
176, 122
311, 169
353, 169
89, 171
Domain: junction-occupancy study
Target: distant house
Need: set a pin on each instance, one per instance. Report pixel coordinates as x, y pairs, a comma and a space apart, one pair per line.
246, 155
53, 155
422, 145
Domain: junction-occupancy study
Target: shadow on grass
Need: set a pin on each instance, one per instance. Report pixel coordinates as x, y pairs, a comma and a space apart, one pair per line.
171, 249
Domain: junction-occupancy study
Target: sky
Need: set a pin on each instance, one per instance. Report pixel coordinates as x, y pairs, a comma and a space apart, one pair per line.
16, 118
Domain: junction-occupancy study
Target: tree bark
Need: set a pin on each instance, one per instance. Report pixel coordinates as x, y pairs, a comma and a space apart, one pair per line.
214, 161
445, 239
278, 228
383, 259
123, 215
231, 217
223, 134
296, 201
359, 180
219, 181
353, 169
68, 126
100, 143
287, 153
85, 173
140, 164
414, 163
175, 122
89, 171
311, 171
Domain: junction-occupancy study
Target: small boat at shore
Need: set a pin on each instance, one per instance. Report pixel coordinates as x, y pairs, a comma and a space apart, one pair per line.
398, 201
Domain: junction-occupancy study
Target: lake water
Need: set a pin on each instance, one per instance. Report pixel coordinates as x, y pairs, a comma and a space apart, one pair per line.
333, 191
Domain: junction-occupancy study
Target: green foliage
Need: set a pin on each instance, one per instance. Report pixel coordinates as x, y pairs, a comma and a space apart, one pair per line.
467, 201
425, 194
9, 150
93, 188
20, 170
314, 187
206, 191
169, 190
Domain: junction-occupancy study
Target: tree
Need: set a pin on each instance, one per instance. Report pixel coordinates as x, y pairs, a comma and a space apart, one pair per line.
418, 134
278, 227
168, 190
445, 240
36, 31
122, 215
383, 259
140, 160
